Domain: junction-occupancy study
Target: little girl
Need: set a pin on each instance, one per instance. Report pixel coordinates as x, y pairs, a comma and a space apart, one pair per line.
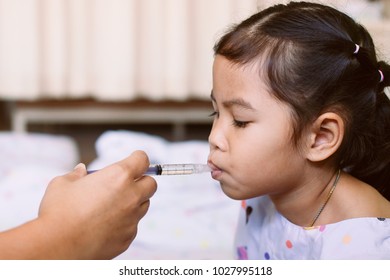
301, 134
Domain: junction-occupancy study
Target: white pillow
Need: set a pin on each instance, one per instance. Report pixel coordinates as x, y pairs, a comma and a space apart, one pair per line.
17, 149
113, 145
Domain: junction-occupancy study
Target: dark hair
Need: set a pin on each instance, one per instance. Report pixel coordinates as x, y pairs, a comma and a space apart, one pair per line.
308, 54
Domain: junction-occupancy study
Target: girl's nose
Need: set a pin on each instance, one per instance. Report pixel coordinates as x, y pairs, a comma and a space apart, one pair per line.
217, 139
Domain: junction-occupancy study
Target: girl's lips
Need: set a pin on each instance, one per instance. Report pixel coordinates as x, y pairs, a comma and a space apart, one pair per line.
216, 172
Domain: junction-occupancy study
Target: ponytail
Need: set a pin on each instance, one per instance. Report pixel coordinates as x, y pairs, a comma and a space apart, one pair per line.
376, 172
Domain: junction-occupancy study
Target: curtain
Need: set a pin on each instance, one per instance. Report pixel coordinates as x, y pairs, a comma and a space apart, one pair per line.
120, 50
112, 50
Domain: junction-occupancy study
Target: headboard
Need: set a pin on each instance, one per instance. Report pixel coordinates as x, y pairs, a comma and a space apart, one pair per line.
89, 111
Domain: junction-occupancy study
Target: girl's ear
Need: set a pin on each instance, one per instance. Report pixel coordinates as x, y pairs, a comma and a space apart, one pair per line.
325, 136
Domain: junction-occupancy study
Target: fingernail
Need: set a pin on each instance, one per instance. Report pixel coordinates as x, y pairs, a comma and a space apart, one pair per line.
80, 165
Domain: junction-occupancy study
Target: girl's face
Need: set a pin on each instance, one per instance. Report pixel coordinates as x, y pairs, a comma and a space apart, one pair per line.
251, 152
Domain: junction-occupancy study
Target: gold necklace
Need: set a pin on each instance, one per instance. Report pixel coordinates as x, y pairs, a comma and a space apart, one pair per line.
327, 198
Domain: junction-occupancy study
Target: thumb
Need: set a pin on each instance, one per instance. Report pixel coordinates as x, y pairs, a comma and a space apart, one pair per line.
79, 171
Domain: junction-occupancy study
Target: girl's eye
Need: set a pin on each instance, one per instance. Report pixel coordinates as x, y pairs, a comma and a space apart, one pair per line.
240, 124
214, 114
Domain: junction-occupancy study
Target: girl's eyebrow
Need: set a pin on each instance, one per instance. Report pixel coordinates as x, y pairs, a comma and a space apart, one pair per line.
235, 102
238, 102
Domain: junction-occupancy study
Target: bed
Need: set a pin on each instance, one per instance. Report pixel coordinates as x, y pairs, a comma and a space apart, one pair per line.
182, 222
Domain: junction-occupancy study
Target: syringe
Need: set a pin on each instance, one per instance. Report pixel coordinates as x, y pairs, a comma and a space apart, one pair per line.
174, 169
177, 169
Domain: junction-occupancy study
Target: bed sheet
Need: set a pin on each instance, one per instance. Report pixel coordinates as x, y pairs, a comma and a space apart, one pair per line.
189, 216
28, 163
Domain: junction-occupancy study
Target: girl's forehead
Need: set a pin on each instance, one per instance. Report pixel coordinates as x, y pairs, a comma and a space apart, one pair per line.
232, 78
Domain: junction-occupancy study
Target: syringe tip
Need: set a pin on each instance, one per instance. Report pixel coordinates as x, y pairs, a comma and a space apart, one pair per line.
202, 168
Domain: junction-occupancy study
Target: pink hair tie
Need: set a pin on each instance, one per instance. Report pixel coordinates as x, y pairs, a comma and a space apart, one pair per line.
382, 76
356, 49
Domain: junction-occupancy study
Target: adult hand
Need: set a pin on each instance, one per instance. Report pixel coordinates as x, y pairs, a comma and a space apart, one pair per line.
84, 216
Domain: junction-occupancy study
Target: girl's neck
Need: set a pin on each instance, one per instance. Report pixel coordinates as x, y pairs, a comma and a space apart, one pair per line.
303, 204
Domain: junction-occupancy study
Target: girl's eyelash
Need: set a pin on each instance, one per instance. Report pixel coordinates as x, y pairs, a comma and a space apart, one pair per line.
236, 123
240, 124
213, 114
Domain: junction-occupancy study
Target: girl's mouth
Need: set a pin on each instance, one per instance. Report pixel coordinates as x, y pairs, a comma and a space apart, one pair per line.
216, 172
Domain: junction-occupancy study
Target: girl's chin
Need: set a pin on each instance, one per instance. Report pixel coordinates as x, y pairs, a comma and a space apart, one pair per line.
232, 193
